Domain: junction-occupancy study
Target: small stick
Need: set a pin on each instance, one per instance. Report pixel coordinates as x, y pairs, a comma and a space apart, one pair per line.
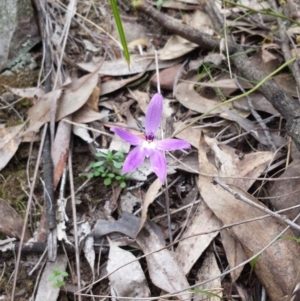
244, 199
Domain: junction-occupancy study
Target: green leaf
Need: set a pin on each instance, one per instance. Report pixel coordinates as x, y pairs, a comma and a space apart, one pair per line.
97, 173
107, 181
111, 175
90, 175
122, 184
97, 164
117, 165
101, 155
159, 4
120, 30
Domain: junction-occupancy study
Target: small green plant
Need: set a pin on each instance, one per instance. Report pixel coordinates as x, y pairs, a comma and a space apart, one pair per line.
58, 277
109, 167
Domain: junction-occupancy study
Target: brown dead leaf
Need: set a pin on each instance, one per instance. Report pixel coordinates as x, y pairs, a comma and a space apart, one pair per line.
60, 149
138, 64
255, 235
189, 98
75, 96
189, 250
116, 84
209, 269
31, 93
284, 194
167, 77
11, 224
10, 139
143, 99
177, 46
93, 100
260, 103
190, 135
149, 198
86, 115
164, 270
234, 253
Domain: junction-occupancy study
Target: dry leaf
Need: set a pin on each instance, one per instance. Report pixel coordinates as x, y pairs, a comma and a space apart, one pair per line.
149, 198
167, 77
189, 134
126, 281
209, 269
177, 46
60, 149
189, 250
11, 224
284, 194
234, 253
229, 210
164, 270
75, 96
10, 139
138, 64
31, 93
86, 115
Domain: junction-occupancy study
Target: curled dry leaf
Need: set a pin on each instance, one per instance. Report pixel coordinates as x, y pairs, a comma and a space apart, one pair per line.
60, 149
164, 269
253, 236
128, 224
10, 139
126, 280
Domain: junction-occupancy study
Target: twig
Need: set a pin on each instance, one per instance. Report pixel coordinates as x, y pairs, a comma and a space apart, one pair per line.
74, 222
257, 116
244, 199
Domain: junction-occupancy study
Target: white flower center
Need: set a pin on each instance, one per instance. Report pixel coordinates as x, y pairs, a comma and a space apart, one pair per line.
150, 146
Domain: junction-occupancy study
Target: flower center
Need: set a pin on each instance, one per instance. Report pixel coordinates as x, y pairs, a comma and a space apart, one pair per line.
149, 137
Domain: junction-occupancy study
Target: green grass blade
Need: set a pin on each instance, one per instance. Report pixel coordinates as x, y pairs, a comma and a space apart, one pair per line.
120, 30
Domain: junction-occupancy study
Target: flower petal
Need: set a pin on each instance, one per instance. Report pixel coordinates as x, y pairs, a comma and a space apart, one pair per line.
153, 115
128, 137
159, 165
134, 159
171, 144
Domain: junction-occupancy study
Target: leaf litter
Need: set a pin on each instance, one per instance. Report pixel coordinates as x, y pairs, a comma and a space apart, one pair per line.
125, 254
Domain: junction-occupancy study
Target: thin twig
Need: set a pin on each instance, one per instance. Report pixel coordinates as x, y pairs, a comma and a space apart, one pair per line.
246, 200
74, 222
257, 116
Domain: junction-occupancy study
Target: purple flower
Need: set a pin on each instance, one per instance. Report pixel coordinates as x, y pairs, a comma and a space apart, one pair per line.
149, 147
